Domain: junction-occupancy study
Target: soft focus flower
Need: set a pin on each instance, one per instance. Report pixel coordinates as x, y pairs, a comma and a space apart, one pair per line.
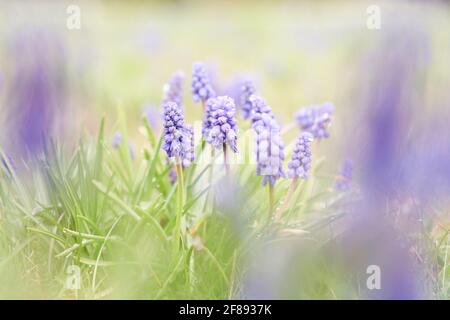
300, 165
173, 90
37, 92
269, 146
344, 179
116, 140
189, 154
384, 143
202, 89
152, 115
315, 119
219, 123
177, 136
247, 89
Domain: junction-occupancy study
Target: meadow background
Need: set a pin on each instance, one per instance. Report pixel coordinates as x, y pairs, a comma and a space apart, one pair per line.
69, 198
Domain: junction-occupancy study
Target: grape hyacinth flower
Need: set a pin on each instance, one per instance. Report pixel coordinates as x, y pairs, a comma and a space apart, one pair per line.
300, 165
202, 89
269, 146
178, 143
173, 90
219, 123
316, 119
247, 90
344, 179
177, 136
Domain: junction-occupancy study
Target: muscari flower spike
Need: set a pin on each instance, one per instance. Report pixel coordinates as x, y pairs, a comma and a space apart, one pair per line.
316, 119
219, 122
247, 89
202, 89
269, 146
173, 90
300, 165
177, 136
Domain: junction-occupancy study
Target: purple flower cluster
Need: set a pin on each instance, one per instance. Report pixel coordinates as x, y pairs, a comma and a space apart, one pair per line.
344, 179
173, 90
316, 119
219, 123
202, 89
178, 137
247, 89
300, 165
269, 146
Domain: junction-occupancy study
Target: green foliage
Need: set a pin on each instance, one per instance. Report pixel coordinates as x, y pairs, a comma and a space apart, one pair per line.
123, 222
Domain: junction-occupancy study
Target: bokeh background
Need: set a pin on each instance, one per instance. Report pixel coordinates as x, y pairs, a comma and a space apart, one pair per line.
299, 52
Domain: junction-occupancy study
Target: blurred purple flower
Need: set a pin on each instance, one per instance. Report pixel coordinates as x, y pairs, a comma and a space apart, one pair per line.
38, 88
269, 145
247, 90
189, 155
202, 89
116, 140
152, 115
173, 90
344, 179
300, 165
384, 142
316, 119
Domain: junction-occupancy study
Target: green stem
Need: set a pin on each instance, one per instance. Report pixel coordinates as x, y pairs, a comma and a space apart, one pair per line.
210, 180
177, 231
271, 199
